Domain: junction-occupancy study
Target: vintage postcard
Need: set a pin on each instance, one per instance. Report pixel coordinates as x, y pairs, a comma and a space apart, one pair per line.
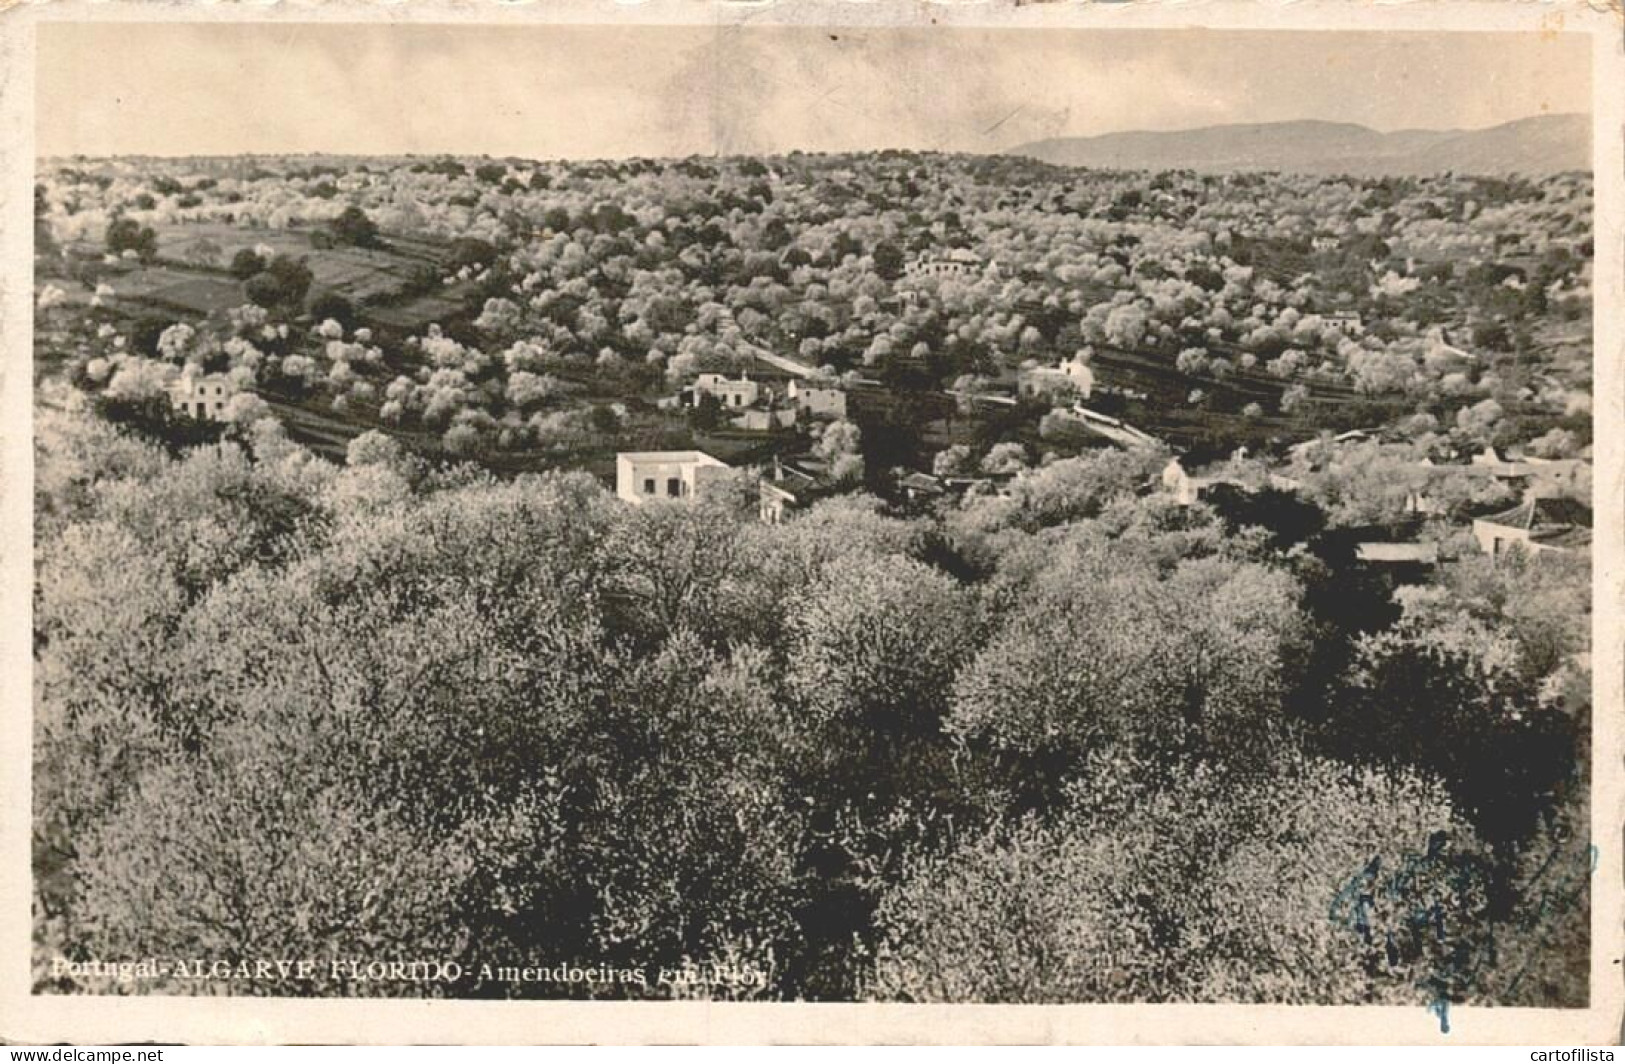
812, 522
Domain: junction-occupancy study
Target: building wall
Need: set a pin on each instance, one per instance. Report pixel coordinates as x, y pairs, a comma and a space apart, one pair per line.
733, 395
1070, 378
763, 420
943, 268
204, 399
824, 402
1498, 539
738, 393
773, 504
1178, 483
638, 480
1041, 380
1081, 376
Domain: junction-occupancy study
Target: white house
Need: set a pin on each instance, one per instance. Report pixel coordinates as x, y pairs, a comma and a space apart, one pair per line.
1180, 484
1307, 448
644, 475
1554, 474
203, 397
764, 420
958, 262
818, 401
1347, 322
1537, 525
1545, 474
1071, 377
732, 394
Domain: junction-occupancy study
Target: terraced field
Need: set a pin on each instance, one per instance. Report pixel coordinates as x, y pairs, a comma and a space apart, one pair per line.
190, 277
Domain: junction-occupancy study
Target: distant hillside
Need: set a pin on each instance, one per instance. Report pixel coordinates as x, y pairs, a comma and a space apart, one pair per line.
1545, 144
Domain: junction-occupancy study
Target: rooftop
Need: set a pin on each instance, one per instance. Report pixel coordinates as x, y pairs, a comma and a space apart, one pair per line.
1425, 553
699, 457
1544, 514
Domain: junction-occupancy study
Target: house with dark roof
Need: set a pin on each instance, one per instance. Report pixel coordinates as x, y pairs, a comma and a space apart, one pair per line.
921, 488
1542, 524
790, 486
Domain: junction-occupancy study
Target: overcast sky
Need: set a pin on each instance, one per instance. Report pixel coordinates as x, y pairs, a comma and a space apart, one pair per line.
609, 92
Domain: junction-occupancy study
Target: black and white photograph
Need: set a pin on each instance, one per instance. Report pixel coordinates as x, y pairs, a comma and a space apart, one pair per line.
779, 512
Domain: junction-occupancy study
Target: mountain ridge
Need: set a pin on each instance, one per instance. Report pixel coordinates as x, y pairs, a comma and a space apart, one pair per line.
1541, 144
